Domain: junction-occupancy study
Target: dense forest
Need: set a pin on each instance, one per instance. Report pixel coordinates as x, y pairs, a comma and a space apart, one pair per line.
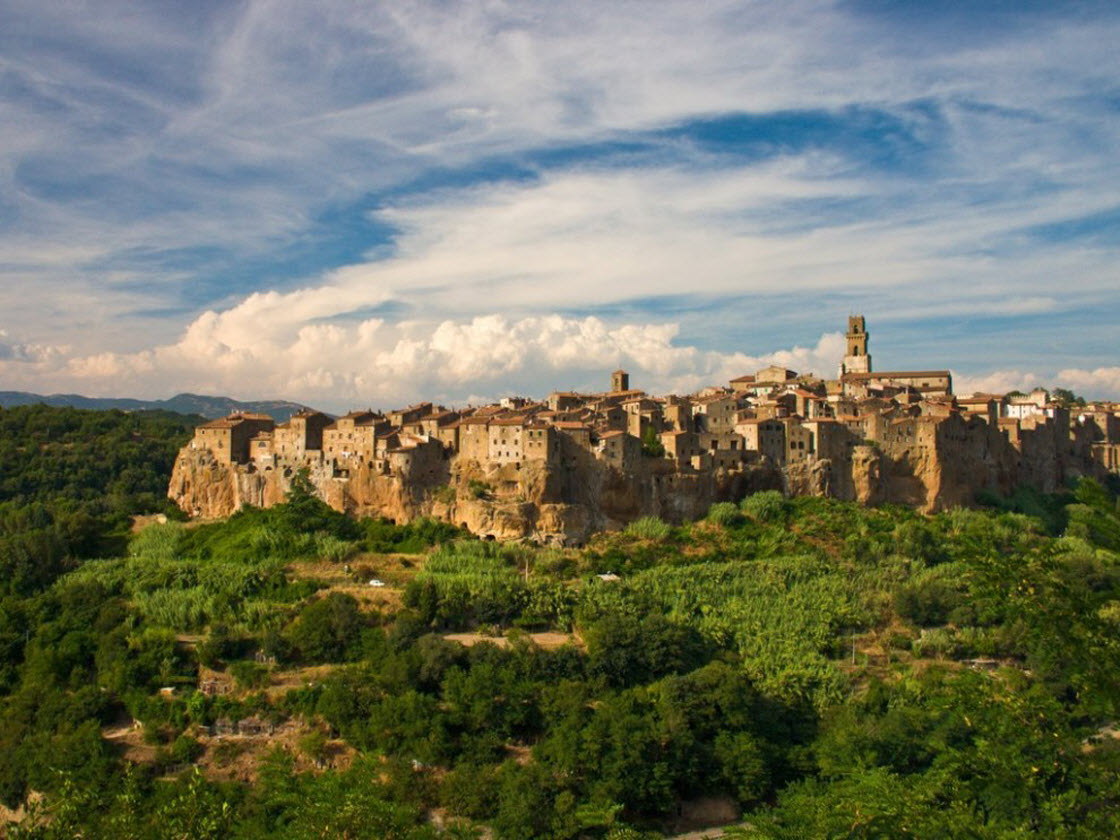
790, 668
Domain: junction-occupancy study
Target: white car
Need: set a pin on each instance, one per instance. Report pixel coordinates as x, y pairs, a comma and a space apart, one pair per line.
376, 582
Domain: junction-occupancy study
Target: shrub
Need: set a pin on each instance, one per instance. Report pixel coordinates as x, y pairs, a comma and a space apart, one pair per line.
927, 603
444, 494
651, 444
249, 674
331, 548
649, 528
329, 629
219, 645
767, 506
186, 750
918, 541
725, 514
314, 745
156, 542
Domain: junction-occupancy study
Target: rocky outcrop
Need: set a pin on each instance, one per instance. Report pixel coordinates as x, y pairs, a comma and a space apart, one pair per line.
930, 465
531, 501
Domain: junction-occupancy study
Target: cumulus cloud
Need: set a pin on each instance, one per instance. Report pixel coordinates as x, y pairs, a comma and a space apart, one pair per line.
997, 382
1102, 381
388, 365
1099, 383
27, 353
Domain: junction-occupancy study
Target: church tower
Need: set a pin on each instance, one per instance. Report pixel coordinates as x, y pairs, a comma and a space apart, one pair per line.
620, 381
857, 360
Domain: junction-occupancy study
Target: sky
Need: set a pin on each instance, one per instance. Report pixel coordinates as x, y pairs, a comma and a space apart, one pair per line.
351, 204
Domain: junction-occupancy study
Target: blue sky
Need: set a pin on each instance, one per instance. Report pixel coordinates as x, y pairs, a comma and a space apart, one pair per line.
369, 203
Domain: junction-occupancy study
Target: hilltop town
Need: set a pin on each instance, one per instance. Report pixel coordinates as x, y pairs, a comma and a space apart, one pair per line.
562, 468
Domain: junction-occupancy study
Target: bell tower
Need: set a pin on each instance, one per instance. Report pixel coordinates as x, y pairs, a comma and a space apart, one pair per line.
857, 359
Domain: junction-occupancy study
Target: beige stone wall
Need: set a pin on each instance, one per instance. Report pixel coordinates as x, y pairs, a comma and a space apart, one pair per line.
474, 441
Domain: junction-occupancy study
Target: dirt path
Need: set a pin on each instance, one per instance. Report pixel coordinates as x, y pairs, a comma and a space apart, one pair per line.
548, 641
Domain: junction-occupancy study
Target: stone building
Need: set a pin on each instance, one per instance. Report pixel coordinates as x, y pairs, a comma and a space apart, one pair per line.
506, 443
228, 437
857, 359
620, 381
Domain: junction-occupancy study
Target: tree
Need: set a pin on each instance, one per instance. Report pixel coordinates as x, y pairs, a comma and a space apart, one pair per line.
1066, 398
329, 629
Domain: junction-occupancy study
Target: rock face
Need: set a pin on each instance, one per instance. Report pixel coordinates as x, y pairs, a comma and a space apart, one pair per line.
533, 501
931, 464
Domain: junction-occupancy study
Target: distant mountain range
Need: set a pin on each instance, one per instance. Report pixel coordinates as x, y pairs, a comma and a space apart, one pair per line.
209, 407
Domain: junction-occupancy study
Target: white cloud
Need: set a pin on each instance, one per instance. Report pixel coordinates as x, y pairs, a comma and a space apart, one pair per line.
1100, 382
24, 353
372, 362
997, 382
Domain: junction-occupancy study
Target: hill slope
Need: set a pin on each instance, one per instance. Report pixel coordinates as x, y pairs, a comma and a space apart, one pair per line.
205, 406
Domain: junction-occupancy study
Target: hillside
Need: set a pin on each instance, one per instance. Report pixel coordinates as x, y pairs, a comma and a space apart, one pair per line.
786, 668
70, 482
204, 406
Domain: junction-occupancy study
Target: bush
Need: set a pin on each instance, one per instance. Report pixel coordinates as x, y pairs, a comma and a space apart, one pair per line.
220, 645
767, 506
249, 674
157, 542
651, 444
332, 548
927, 603
725, 514
186, 750
649, 528
329, 629
444, 494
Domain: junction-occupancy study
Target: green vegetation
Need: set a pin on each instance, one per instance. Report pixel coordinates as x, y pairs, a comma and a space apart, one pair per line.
651, 444
832, 670
70, 482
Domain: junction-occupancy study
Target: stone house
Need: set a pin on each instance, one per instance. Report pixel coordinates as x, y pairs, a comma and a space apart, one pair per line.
228, 437
354, 436
411, 414
474, 438
680, 446
764, 435
619, 448
715, 413
506, 440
